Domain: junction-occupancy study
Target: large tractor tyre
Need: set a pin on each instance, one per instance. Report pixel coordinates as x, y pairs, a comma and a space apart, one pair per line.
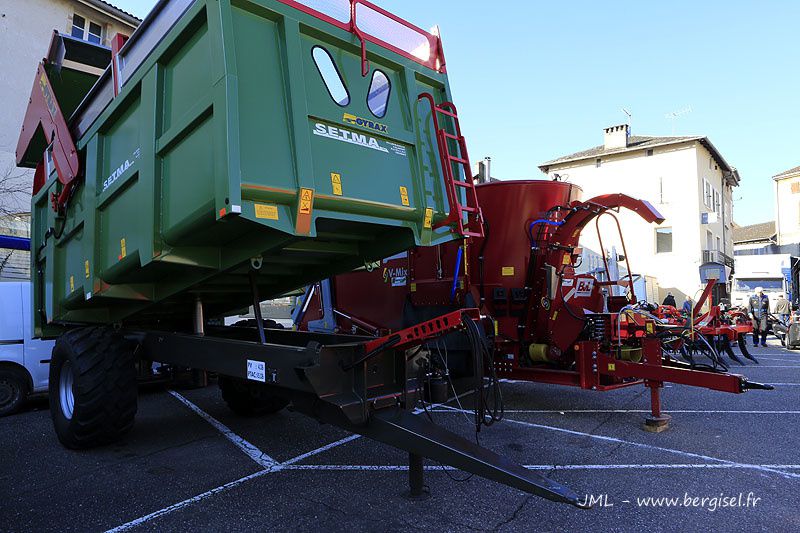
92, 387
14, 389
248, 398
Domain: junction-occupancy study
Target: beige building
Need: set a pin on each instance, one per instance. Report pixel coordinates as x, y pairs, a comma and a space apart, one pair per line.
787, 206
26, 27
687, 180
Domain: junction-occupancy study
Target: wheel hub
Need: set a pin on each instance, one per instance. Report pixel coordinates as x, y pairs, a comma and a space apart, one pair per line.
66, 395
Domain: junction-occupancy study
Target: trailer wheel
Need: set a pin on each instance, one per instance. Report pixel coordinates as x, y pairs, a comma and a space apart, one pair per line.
248, 398
92, 387
13, 390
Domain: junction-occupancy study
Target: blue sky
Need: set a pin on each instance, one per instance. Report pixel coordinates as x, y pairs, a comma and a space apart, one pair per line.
537, 80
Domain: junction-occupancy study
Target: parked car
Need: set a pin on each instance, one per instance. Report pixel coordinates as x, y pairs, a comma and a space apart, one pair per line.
24, 361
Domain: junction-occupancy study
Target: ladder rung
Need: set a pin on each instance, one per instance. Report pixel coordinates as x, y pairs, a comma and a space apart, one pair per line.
468, 209
472, 234
446, 112
451, 136
454, 158
462, 184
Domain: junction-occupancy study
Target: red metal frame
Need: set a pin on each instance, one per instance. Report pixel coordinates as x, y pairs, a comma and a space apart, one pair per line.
43, 111
416, 335
457, 209
435, 60
116, 45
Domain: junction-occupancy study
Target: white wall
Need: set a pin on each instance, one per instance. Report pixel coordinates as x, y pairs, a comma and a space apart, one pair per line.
787, 213
672, 180
26, 27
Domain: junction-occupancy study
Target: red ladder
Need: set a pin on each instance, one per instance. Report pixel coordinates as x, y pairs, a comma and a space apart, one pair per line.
457, 209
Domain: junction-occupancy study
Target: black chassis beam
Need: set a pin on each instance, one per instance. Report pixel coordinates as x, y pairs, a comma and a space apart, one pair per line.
368, 399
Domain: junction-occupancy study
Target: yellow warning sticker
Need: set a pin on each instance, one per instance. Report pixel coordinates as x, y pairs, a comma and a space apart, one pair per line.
567, 260
86, 264
123, 252
649, 327
404, 196
507, 271
428, 218
306, 196
336, 183
612, 367
71, 283
413, 287
268, 211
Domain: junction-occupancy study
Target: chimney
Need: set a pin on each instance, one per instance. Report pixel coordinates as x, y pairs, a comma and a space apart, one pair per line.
616, 136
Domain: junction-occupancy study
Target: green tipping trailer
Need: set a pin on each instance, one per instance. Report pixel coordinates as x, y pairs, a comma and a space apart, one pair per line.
231, 151
246, 129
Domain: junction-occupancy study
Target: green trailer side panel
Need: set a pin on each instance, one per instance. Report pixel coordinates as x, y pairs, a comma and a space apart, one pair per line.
225, 145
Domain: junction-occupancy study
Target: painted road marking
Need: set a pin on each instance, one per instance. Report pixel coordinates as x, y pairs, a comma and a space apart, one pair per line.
616, 440
256, 454
321, 449
625, 411
180, 505
261, 458
656, 466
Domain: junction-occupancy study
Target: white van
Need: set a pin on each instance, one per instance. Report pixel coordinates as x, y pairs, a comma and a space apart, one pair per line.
24, 361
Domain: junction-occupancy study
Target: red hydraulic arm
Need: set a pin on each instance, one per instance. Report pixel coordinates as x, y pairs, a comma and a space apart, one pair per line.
44, 112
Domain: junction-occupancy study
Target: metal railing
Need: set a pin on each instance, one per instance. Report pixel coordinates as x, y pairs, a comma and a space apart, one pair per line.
716, 256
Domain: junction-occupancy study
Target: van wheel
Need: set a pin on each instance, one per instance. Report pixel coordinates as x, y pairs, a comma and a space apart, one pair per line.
13, 390
248, 398
92, 387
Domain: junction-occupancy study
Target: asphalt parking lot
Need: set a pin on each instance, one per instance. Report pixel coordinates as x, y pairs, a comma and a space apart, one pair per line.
190, 464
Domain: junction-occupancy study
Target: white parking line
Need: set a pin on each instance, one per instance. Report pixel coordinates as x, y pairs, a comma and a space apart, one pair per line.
261, 458
318, 450
625, 411
655, 466
180, 505
605, 438
753, 367
270, 465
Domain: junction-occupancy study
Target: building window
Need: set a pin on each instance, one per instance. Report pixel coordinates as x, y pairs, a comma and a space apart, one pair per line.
707, 197
598, 162
663, 240
717, 202
719, 244
709, 240
330, 76
86, 29
649, 152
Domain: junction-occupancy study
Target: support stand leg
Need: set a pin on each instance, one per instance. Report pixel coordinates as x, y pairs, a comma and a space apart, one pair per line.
257, 306
657, 421
416, 478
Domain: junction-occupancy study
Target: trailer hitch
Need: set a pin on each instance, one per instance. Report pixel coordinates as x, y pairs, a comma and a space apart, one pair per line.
359, 386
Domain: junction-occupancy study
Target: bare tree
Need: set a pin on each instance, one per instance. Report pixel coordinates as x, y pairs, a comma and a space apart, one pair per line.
15, 194
15, 191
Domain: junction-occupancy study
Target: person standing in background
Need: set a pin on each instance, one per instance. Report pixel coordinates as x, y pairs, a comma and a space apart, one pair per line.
758, 308
670, 300
687, 306
783, 309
